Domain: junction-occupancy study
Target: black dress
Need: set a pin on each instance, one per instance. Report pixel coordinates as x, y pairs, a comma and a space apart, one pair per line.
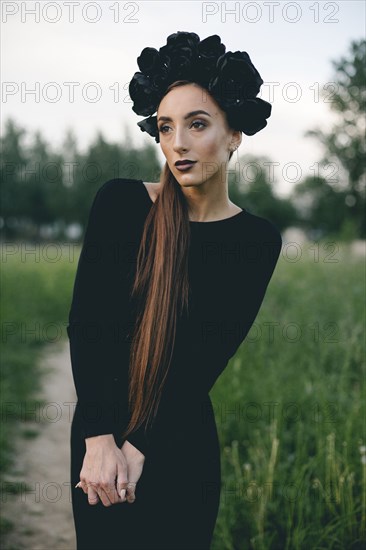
231, 262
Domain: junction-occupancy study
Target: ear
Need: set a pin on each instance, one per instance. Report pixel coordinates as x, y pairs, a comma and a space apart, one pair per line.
236, 138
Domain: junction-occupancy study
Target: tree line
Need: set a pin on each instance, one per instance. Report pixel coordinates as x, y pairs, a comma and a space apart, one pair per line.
46, 193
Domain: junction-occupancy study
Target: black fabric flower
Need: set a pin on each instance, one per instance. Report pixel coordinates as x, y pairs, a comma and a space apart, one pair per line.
144, 93
251, 117
150, 126
149, 61
230, 77
180, 55
209, 50
237, 79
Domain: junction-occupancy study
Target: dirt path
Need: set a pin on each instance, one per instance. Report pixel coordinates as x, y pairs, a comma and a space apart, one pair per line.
43, 517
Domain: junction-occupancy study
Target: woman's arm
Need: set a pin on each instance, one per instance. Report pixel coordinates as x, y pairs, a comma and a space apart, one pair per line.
256, 280
98, 321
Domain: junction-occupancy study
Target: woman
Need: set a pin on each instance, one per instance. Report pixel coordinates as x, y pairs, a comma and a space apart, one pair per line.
170, 279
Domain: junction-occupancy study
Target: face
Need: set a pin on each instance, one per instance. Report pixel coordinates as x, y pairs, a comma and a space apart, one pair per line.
203, 137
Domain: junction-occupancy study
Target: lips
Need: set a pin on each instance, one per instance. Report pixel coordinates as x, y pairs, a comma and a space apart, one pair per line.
184, 162
185, 167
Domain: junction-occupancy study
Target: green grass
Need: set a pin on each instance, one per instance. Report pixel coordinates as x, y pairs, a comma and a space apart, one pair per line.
35, 297
292, 470
293, 475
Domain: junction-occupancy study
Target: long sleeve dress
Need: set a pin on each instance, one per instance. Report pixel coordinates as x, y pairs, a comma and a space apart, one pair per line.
231, 262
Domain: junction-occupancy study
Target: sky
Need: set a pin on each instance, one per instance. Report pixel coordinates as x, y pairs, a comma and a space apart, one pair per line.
67, 65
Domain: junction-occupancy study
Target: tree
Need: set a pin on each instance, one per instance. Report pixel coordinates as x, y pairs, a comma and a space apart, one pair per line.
344, 144
255, 192
12, 160
321, 207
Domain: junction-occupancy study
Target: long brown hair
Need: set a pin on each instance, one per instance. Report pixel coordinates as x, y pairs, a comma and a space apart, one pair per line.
161, 290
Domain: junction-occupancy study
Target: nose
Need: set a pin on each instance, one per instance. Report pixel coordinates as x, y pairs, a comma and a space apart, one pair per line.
180, 141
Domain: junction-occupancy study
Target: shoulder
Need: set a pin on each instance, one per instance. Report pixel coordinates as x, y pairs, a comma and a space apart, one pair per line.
119, 189
114, 193
113, 202
266, 235
264, 228
152, 189
115, 186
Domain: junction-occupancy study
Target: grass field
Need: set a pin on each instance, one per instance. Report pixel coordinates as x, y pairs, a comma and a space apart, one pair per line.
36, 282
288, 406
290, 416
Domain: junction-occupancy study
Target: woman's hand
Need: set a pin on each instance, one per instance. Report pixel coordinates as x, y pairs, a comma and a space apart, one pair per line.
103, 463
135, 463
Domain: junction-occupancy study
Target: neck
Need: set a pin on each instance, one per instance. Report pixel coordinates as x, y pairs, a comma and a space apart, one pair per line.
208, 206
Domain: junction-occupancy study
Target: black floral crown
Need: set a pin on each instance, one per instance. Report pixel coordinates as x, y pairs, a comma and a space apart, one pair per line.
230, 78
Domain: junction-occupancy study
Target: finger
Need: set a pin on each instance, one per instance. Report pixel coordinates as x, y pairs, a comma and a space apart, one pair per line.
131, 488
83, 485
93, 497
108, 494
110, 490
96, 492
122, 487
122, 480
134, 473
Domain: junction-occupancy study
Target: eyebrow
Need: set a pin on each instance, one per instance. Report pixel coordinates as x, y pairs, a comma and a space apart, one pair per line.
188, 115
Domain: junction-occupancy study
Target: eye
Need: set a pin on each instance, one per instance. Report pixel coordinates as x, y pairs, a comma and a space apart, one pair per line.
163, 126
199, 122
